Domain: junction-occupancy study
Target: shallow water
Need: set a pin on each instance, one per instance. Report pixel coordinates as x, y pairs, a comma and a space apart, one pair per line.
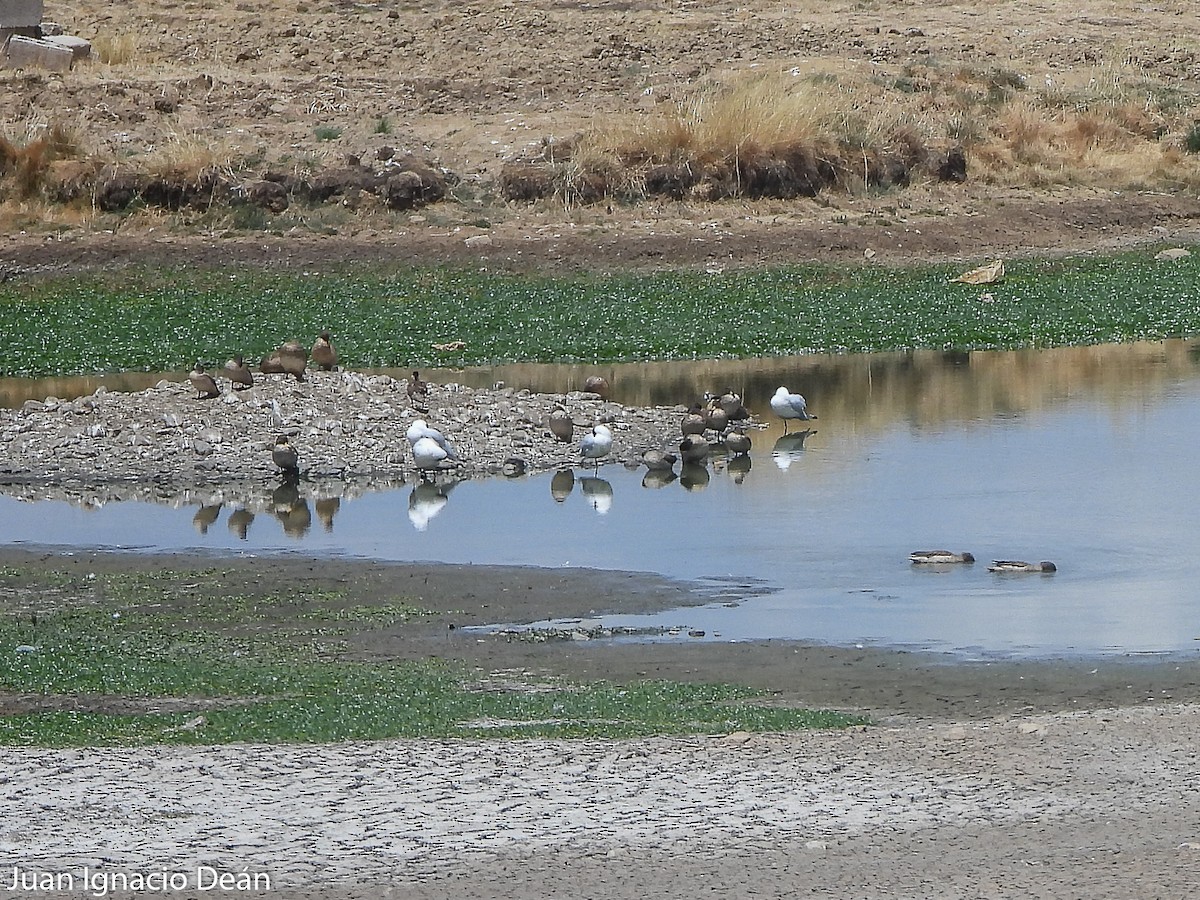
1081, 456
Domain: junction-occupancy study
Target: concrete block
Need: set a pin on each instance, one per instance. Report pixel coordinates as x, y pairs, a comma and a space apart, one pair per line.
21, 13
29, 53
80, 47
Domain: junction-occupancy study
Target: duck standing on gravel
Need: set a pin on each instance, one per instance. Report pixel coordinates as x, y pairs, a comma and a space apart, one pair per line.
284, 455
597, 444
205, 384
323, 352
239, 373
787, 406
418, 391
561, 425
597, 384
294, 359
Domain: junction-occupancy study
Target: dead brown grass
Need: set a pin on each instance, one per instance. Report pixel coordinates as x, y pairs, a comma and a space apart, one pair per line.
782, 135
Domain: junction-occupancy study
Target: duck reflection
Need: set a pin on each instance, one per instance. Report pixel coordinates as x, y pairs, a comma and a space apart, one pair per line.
327, 508
597, 492
239, 522
205, 516
427, 499
694, 476
291, 509
562, 484
738, 468
658, 478
789, 447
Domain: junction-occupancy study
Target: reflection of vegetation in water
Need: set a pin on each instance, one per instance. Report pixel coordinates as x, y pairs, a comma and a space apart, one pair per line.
258, 666
387, 318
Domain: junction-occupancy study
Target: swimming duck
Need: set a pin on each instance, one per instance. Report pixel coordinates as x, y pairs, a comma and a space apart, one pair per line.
659, 461
596, 444
513, 467
939, 557
787, 406
561, 425
284, 455
693, 421
693, 449
323, 352
1016, 566
239, 373
597, 384
418, 391
294, 358
205, 384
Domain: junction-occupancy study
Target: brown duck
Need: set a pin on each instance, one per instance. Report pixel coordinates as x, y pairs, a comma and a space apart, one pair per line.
323, 352
205, 384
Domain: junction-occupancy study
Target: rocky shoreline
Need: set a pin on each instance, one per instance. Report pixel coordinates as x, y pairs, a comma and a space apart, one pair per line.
347, 426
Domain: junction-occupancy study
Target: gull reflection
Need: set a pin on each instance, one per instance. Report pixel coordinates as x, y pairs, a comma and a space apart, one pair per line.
597, 492
426, 501
291, 509
789, 447
562, 484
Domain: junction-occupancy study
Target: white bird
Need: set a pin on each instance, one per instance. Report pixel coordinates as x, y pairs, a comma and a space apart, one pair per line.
429, 454
787, 405
597, 444
420, 430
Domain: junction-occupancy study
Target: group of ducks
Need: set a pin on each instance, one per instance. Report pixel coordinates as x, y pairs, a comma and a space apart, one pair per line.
290, 358
1003, 566
724, 415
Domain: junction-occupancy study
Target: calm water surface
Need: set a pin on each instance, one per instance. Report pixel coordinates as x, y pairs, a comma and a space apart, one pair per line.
1081, 456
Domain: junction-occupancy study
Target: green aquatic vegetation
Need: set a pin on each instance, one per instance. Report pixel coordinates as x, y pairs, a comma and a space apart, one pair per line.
384, 317
104, 676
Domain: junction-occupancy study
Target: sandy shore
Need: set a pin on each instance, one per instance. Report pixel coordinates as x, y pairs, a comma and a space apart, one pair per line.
1098, 804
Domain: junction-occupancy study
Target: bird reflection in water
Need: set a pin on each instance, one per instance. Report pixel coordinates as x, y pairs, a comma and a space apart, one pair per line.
205, 516
694, 476
738, 467
562, 484
597, 492
239, 522
789, 447
658, 478
291, 509
327, 508
426, 501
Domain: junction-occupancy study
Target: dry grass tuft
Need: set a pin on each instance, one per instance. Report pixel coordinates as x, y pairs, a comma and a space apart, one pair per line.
115, 49
23, 167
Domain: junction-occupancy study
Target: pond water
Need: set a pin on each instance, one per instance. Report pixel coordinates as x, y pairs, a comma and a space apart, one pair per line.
1082, 456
